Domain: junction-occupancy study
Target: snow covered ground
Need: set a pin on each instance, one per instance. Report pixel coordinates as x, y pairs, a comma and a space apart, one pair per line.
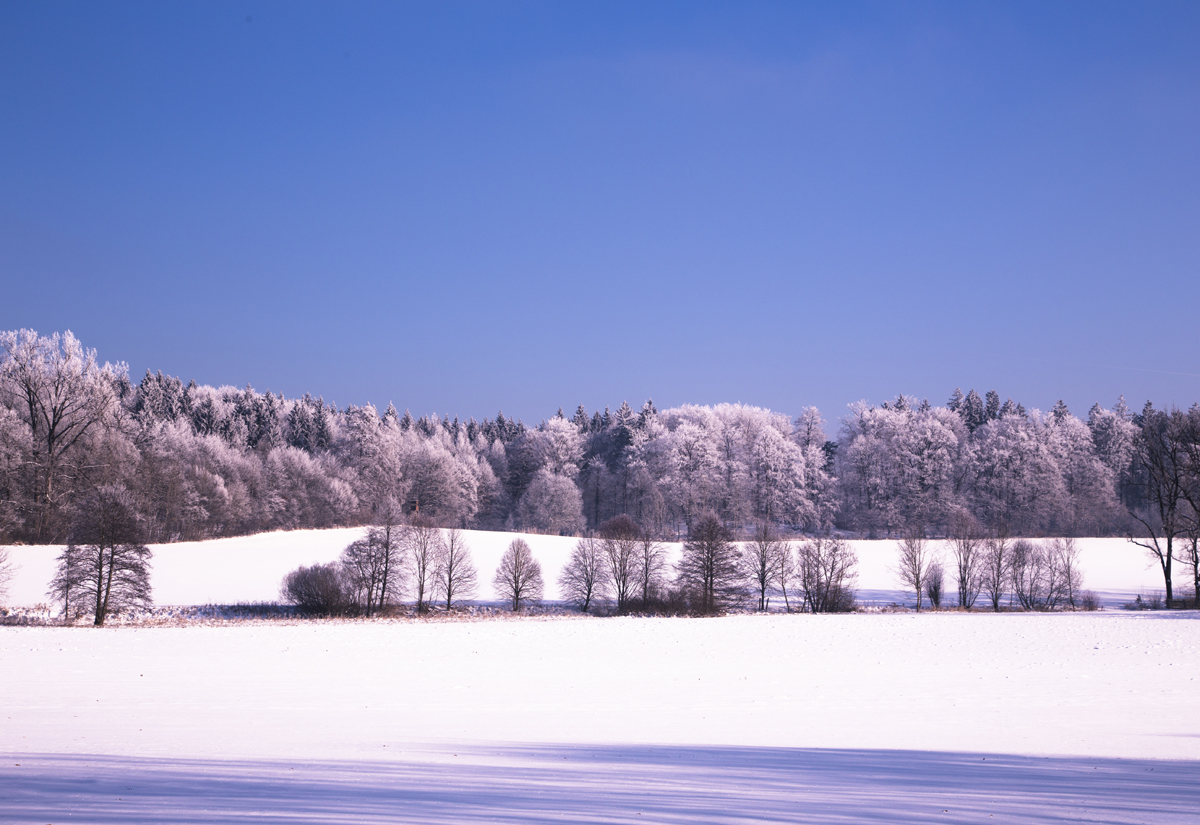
249, 568
778, 718
852, 718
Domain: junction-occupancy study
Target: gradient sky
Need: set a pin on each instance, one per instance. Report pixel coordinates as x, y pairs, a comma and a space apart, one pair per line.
470, 207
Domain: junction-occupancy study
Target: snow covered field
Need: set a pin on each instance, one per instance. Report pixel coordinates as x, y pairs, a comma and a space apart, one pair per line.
779, 718
249, 568
851, 718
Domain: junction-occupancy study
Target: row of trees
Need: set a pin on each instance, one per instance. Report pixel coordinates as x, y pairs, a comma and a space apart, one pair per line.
622, 569
1028, 574
396, 561
202, 462
623, 566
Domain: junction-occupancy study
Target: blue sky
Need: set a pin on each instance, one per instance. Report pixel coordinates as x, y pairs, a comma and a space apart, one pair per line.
470, 207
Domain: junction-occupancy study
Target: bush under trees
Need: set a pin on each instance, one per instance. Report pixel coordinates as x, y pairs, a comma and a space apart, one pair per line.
319, 590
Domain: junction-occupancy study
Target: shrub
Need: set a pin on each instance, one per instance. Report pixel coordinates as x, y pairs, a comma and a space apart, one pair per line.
320, 590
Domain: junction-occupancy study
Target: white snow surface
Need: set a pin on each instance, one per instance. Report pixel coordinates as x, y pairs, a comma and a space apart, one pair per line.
884, 717
799, 718
250, 568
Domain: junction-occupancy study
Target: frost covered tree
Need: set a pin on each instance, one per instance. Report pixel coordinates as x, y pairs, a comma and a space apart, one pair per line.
551, 504
518, 579
710, 569
456, 578
62, 395
582, 580
105, 568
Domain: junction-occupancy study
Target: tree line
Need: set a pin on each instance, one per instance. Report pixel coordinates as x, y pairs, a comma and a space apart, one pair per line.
619, 569
202, 462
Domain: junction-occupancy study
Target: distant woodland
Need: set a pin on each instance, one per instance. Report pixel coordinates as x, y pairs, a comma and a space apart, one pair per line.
205, 462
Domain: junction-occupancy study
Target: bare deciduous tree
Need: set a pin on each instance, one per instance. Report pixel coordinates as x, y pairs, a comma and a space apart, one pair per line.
785, 574
105, 568
425, 550
456, 577
966, 547
825, 569
620, 545
1032, 576
518, 579
374, 566
993, 580
583, 580
1191, 557
912, 568
1161, 457
709, 568
762, 558
6, 573
1064, 554
652, 567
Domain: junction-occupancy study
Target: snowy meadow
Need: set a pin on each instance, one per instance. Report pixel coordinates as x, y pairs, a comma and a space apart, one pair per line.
888, 717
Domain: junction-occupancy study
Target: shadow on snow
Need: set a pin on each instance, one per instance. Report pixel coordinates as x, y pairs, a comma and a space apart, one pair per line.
611, 784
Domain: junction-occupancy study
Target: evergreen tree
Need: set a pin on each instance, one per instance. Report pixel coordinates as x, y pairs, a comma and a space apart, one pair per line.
956, 400
580, 419
972, 411
992, 410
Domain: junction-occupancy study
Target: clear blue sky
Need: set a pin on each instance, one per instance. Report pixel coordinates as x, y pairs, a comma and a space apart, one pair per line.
468, 207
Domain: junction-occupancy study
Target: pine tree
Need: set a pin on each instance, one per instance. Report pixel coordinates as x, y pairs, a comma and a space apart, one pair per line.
956, 400
972, 411
992, 410
580, 419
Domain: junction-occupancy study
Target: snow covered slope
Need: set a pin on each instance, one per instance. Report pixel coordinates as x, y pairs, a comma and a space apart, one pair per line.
249, 568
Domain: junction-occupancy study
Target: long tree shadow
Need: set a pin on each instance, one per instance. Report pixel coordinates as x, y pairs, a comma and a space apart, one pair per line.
608, 784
